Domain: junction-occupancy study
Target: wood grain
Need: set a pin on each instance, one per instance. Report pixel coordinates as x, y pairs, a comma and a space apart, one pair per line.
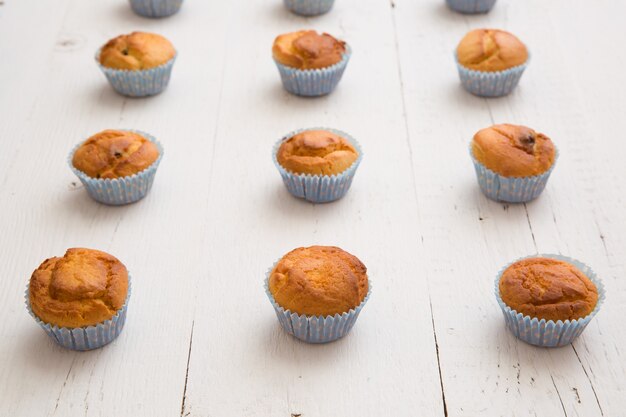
201, 338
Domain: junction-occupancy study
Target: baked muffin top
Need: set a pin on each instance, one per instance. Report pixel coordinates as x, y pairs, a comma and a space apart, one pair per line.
136, 51
316, 152
319, 281
491, 50
115, 154
307, 49
513, 151
83, 288
548, 289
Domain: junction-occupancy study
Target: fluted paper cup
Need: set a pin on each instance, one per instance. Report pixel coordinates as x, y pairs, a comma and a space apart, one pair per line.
471, 6
313, 82
87, 337
490, 84
315, 329
123, 190
138, 83
309, 7
548, 333
318, 188
155, 8
510, 189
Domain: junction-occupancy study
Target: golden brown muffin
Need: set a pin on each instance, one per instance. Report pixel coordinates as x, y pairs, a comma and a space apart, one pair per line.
316, 152
114, 154
491, 50
136, 51
307, 49
83, 288
319, 281
548, 289
513, 151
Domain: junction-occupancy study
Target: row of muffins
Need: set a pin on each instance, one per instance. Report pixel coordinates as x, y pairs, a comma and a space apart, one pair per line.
512, 163
317, 292
490, 62
165, 8
81, 299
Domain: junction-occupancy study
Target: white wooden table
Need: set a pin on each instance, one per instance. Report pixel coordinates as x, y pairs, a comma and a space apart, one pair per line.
201, 338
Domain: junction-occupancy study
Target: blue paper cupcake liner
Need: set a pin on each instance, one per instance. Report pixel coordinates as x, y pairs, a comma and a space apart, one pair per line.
138, 83
313, 82
490, 84
549, 333
309, 7
88, 337
318, 188
315, 329
155, 8
510, 189
471, 6
119, 191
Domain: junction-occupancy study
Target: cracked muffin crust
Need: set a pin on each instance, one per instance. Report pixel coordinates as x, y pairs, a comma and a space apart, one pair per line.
136, 51
548, 289
83, 288
316, 152
491, 50
513, 151
319, 281
115, 154
307, 49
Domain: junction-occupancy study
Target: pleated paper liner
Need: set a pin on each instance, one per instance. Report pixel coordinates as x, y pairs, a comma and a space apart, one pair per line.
138, 83
471, 6
313, 82
490, 84
548, 333
88, 337
124, 190
309, 7
510, 189
156, 8
318, 188
315, 329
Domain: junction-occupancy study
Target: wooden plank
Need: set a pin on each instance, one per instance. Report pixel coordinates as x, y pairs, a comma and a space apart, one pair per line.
242, 363
143, 372
556, 381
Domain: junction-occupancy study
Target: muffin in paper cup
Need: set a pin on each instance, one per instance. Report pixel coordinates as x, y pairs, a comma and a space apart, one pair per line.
155, 8
315, 329
313, 82
124, 190
88, 337
471, 6
309, 7
318, 188
138, 83
547, 333
490, 84
510, 189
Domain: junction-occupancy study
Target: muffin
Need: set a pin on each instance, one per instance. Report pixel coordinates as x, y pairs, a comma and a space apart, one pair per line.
309, 7
117, 166
80, 299
309, 63
138, 64
471, 6
512, 163
156, 8
548, 300
318, 292
317, 164
490, 62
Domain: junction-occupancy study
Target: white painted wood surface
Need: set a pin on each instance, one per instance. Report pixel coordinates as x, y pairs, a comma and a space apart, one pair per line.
201, 338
